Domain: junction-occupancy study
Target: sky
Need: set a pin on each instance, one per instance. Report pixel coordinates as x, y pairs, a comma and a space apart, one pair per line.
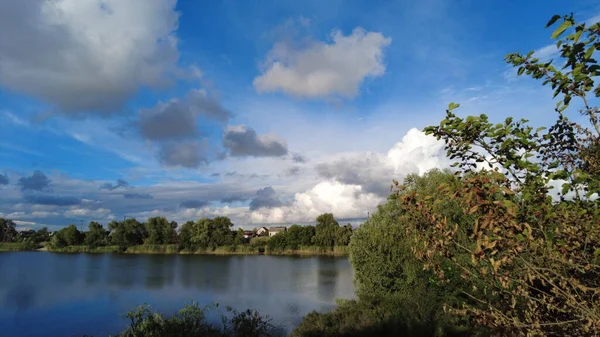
263, 111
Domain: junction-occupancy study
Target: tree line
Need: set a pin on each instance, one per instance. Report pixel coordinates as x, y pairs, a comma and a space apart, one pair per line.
203, 234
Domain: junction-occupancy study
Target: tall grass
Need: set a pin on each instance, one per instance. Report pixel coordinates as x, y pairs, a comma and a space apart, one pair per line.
153, 249
13, 247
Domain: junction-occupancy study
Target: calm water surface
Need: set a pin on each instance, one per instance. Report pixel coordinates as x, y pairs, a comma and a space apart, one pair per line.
46, 294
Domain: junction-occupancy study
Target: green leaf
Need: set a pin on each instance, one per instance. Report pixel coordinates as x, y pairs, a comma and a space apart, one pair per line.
453, 106
552, 20
589, 52
561, 29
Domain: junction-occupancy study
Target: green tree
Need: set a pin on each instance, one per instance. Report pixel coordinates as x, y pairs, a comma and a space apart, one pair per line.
41, 235
238, 238
8, 232
185, 236
127, 233
96, 235
67, 236
207, 233
385, 268
299, 236
160, 231
326, 231
344, 235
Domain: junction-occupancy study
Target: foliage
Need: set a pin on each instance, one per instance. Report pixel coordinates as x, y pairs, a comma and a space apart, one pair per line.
129, 232
343, 235
533, 260
352, 318
385, 267
191, 322
160, 231
68, 236
8, 232
39, 236
96, 235
207, 233
326, 231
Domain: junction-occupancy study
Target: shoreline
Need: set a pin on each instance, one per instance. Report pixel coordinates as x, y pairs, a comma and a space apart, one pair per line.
172, 250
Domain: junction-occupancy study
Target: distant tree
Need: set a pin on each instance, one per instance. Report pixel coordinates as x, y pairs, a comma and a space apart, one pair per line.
41, 235
8, 232
96, 235
344, 235
326, 231
127, 233
297, 236
160, 231
238, 237
67, 236
185, 236
207, 233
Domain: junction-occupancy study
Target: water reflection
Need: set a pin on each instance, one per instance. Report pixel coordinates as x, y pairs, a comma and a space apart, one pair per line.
94, 269
159, 271
123, 269
96, 290
327, 279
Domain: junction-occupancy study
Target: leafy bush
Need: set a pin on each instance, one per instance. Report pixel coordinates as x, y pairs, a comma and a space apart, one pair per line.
533, 265
191, 322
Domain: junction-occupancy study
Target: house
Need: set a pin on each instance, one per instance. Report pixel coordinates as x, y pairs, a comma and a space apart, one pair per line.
276, 230
263, 231
27, 233
248, 234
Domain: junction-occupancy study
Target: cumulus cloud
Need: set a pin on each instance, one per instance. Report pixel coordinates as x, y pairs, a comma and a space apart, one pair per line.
87, 55
137, 196
188, 154
355, 185
242, 141
4, 179
344, 201
52, 200
193, 204
372, 171
38, 181
322, 69
416, 153
266, 197
119, 184
178, 119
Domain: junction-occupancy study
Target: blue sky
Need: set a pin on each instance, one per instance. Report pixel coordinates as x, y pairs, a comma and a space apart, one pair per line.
264, 111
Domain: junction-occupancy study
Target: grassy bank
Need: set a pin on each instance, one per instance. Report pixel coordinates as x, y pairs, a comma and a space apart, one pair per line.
13, 247
174, 249
85, 249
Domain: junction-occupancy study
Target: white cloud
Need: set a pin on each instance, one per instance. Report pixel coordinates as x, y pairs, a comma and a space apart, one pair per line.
100, 213
353, 195
324, 69
87, 55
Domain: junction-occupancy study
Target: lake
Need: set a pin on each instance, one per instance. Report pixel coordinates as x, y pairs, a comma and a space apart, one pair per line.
48, 294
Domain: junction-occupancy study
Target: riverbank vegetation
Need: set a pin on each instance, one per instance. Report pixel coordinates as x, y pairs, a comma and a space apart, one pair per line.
508, 244
205, 236
191, 321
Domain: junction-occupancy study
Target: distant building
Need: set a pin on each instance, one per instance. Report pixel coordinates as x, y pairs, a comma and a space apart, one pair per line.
263, 231
248, 234
27, 233
276, 230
